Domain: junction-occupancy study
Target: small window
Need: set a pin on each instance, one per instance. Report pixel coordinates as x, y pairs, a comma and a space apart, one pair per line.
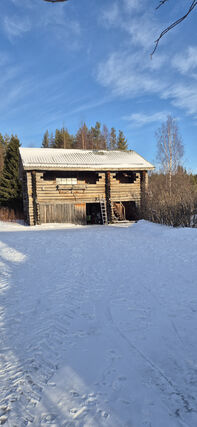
66, 181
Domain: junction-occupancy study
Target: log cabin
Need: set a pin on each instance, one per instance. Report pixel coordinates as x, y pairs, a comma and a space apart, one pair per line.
81, 186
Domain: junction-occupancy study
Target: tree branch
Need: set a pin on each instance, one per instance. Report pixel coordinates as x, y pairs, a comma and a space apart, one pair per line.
55, 1
174, 24
161, 3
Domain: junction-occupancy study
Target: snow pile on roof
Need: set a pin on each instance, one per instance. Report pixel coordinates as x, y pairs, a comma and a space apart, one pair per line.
50, 158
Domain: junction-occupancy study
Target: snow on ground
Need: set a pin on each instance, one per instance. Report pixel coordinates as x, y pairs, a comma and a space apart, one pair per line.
98, 326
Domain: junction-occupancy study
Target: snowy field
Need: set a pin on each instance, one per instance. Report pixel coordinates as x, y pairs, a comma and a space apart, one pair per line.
98, 326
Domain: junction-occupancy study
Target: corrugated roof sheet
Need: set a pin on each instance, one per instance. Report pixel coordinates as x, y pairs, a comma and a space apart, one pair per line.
50, 158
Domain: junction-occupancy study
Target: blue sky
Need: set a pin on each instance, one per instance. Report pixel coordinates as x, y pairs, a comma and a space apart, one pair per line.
88, 60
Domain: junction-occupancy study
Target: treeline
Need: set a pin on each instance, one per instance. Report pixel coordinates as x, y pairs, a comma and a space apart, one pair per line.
175, 205
95, 138
10, 185
171, 198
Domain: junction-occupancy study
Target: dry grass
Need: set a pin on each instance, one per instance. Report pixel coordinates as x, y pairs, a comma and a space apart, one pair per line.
10, 215
177, 207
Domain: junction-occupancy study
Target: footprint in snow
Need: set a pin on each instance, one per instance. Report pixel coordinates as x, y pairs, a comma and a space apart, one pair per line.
3, 420
69, 424
48, 418
76, 413
74, 393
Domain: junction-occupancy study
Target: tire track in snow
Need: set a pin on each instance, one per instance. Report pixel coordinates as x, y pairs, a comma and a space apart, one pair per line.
4, 350
187, 407
24, 377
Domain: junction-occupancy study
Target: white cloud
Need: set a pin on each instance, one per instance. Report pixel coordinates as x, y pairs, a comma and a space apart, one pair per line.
141, 119
53, 21
133, 4
15, 26
128, 76
64, 28
183, 96
111, 15
28, 4
142, 28
186, 62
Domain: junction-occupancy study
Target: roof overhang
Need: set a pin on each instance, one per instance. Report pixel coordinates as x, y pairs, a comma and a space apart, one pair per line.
47, 159
87, 169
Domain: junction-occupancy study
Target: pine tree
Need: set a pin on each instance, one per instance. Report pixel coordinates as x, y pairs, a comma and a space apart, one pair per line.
82, 137
10, 185
105, 137
112, 140
96, 137
68, 139
59, 139
46, 141
51, 140
122, 142
63, 139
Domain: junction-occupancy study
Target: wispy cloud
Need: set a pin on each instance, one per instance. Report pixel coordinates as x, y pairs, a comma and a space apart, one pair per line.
62, 28
184, 96
53, 21
126, 75
111, 15
15, 26
186, 61
90, 105
25, 3
141, 119
133, 5
142, 28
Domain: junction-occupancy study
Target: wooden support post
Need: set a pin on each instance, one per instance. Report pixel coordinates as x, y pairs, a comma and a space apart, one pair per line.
30, 214
108, 195
36, 207
144, 184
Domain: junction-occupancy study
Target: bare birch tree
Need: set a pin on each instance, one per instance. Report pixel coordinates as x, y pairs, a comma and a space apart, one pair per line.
170, 148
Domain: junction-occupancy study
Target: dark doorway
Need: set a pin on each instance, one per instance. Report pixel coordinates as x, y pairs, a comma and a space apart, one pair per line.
131, 211
93, 213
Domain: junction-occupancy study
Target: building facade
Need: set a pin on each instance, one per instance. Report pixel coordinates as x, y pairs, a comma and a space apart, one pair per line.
81, 186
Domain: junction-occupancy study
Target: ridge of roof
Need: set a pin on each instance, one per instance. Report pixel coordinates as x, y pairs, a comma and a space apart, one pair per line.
42, 158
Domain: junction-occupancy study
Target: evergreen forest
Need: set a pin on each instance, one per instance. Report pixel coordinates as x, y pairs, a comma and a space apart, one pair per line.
98, 137
95, 138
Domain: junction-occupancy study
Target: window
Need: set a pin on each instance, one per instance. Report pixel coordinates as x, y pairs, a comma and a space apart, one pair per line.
66, 181
126, 177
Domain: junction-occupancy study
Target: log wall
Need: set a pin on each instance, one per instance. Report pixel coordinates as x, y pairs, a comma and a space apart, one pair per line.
124, 192
28, 204
45, 200
49, 191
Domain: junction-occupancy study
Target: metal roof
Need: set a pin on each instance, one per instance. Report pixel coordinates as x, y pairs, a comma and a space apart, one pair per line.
64, 159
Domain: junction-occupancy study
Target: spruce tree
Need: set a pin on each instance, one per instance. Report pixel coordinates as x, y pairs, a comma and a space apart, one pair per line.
122, 142
46, 141
6, 140
113, 140
10, 185
1, 153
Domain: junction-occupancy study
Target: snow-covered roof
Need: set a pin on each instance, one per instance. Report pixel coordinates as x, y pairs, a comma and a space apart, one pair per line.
63, 159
